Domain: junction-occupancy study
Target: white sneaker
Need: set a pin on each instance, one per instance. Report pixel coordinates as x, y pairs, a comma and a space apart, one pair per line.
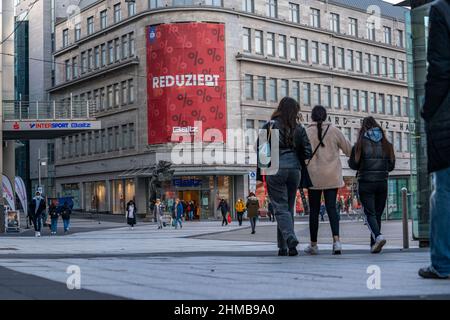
337, 247
380, 241
312, 250
36, 234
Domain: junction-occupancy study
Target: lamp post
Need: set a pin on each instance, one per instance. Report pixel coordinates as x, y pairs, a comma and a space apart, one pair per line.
41, 162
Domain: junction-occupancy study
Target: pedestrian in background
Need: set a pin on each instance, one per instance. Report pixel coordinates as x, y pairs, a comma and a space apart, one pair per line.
37, 209
240, 209
65, 215
436, 113
131, 214
325, 170
252, 206
322, 212
293, 147
373, 157
179, 211
53, 218
159, 213
270, 212
224, 209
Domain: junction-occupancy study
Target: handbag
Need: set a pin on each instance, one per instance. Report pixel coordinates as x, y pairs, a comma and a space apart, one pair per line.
305, 179
229, 218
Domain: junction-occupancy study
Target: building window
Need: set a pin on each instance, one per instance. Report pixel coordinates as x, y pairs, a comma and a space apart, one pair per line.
375, 65
271, 44
111, 52
405, 107
294, 12
117, 51
400, 41
116, 95
261, 88
315, 52
132, 44
97, 57
152, 4
110, 97
373, 102
398, 108
84, 62
348, 134
325, 54
103, 19
131, 8
406, 142
314, 18
401, 70
337, 98
67, 70
384, 70
359, 62
90, 25
370, 30
353, 27
293, 49
248, 6
215, 3
355, 100
77, 31
387, 35
282, 46
392, 68
389, 105
316, 94
304, 50
272, 8
65, 37
364, 101
90, 60
340, 58
306, 94
390, 136
346, 99
117, 13
259, 48
326, 101
349, 63
246, 40
131, 93
398, 142
296, 90
125, 47
367, 63
248, 87
334, 22
381, 103
273, 92
284, 88
75, 67
124, 95
103, 56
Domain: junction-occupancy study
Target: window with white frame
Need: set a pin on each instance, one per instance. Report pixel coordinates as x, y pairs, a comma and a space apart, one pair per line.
117, 13
315, 52
314, 18
270, 44
326, 96
273, 91
337, 98
353, 27
103, 19
248, 6
334, 22
355, 100
65, 37
325, 49
246, 40
306, 94
262, 88
316, 94
90, 25
387, 32
293, 49
259, 46
370, 26
248, 87
272, 8
284, 88
282, 46
304, 50
346, 99
294, 12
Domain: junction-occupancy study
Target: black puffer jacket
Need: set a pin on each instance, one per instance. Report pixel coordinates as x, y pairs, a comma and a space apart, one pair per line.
288, 155
374, 165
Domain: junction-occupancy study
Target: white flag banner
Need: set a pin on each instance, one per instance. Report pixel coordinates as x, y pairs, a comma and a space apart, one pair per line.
8, 192
22, 194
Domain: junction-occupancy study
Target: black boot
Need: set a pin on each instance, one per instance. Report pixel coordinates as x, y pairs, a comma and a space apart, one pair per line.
282, 252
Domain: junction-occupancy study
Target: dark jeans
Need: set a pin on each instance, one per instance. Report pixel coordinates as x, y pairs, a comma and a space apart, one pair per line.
373, 197
330, 204
282, 189
239, 217
37, 222
253, 223
224, 219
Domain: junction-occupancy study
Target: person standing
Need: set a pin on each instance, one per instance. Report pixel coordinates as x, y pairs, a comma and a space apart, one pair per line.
322, 212
293, 147
159, 213
240, 209
224, 209
37, 209
52, 212
252, 206
65, 215
179, 212
270, 212
131, 214
325, 169
437, 122
373, 157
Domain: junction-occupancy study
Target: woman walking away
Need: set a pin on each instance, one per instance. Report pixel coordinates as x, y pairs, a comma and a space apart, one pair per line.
325, 170
373, 157
179, 212
159, 213
131, 214
252, 210
53, 218
240, 209
293, 146
224, 209
65, 215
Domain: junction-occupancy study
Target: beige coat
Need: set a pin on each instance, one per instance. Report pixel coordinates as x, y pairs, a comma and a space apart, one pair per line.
325, 168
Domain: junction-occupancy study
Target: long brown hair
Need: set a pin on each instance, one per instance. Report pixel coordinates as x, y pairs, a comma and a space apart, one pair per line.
367, 124
287, 113
319, 115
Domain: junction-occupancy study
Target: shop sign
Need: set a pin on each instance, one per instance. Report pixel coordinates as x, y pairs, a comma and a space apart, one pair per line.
187, 183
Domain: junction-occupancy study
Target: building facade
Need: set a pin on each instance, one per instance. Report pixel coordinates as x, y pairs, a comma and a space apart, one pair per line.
346, 55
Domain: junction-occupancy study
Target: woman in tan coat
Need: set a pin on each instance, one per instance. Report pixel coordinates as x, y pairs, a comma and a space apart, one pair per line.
325, 170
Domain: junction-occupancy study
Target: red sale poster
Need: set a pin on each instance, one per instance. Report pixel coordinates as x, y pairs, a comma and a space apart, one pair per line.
186, 79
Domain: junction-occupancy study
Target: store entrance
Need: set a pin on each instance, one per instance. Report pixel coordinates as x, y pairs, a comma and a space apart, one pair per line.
191, 195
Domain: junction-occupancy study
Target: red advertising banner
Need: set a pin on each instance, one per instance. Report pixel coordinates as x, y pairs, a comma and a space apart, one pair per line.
186, 79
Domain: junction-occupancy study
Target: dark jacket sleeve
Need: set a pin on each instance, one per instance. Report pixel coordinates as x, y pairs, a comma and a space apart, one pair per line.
438, 78
352, 161
302, 144
391, 162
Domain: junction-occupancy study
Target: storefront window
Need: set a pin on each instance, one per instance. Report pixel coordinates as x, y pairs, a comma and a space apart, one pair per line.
72, 190
123, 191
95, 196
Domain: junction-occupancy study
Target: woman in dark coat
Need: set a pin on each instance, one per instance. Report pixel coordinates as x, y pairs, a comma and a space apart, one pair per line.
131, 214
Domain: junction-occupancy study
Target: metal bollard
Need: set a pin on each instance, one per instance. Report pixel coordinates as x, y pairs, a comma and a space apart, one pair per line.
405, 218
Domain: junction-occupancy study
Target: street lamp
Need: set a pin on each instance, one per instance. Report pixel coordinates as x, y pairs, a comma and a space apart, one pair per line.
41, 162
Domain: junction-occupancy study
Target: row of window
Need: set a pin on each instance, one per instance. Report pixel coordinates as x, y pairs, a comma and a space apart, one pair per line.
248, 6
99, 141
100, 56
399, 139
264, 89
314, 52
109, 97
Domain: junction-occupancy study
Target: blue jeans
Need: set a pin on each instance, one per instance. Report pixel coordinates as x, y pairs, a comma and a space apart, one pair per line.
66, 223
54, 224
37, 221
440, 223
178, 221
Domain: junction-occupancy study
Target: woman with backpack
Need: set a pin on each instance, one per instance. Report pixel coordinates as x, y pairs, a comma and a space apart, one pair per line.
65, 215
252, 206
325, 170
373, 157
284, 156
52, 212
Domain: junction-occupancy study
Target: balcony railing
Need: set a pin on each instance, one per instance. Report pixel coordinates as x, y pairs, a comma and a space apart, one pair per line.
47, 110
